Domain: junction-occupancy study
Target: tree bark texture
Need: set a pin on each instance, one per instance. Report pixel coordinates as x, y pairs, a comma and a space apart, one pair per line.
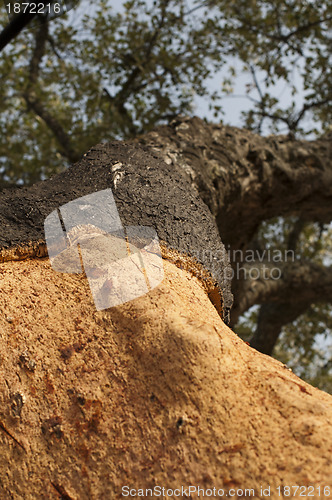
157, 391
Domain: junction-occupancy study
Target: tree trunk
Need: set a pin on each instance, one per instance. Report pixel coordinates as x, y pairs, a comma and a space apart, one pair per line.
157, 391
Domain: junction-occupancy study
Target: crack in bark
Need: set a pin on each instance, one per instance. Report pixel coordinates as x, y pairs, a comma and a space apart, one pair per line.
6, 431
60, 489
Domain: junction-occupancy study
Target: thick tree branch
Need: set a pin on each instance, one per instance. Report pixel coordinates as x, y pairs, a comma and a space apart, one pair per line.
245, 178
295, 283
271, 318
150, 193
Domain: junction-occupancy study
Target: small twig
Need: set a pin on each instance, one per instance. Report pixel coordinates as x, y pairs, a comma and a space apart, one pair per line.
295, 234
53, 47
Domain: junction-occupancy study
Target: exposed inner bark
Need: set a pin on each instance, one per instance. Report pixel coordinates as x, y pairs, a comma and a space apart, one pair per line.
157, 391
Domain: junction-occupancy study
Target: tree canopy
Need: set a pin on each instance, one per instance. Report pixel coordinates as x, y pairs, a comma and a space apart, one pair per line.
97, 74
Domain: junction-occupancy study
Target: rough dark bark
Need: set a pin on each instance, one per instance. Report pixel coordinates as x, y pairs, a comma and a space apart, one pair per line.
245, 178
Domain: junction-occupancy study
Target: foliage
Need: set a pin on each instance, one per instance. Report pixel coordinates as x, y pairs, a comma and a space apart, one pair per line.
117, 74
280, 44
305, 346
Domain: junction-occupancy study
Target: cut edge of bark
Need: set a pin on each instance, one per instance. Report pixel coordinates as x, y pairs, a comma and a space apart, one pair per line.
38, 250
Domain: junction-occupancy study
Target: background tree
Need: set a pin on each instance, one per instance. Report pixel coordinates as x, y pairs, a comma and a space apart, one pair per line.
99, 75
